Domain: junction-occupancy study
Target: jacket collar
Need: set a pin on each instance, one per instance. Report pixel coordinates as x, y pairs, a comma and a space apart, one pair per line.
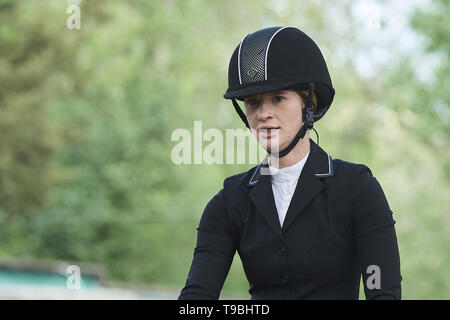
320, 163
318, 166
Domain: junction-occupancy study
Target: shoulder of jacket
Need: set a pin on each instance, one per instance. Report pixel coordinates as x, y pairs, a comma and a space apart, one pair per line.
348, 167
236, 185
350, 171
239, 179
354, 176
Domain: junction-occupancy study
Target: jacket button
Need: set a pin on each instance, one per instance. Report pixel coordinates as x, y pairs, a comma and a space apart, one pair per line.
281, 251
284, 277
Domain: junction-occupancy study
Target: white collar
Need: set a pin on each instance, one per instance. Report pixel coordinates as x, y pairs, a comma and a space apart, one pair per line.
289, 173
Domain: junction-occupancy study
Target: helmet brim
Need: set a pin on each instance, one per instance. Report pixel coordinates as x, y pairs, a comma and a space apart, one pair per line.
255, 89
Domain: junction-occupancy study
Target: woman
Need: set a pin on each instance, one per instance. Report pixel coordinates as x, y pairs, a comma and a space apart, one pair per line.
305, 226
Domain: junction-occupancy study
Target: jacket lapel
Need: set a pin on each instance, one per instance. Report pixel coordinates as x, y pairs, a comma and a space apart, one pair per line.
261, 195
317, 166
308, 186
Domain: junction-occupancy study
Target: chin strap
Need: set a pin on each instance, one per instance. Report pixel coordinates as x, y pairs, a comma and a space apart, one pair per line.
301, 133
240, 113
307, 125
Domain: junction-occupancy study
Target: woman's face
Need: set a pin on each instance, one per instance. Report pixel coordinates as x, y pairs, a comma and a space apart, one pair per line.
275, 117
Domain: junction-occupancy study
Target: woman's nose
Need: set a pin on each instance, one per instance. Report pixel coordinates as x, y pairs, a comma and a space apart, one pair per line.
264, 111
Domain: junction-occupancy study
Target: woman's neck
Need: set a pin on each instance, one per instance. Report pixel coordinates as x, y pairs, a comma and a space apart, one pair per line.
300, 150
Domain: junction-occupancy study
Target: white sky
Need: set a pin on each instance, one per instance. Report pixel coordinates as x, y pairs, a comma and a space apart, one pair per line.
382, 33
387, 36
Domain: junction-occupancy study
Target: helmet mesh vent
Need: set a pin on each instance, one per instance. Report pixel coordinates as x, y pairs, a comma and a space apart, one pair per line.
253, 54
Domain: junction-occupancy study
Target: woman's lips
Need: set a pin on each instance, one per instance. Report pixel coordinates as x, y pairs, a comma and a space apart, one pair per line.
268, 132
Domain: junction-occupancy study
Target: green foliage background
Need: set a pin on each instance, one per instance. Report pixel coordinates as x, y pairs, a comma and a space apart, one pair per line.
86, 118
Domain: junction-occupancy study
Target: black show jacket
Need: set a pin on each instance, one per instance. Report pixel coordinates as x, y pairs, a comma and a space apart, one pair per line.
338, 226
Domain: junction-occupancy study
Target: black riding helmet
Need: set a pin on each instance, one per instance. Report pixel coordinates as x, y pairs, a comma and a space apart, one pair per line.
278, 58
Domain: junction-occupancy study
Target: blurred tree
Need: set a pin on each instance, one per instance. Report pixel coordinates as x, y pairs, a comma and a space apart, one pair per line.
433, 97
31, 72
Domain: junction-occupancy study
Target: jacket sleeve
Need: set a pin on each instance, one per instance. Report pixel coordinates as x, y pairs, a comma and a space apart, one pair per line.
375, 238
213, 253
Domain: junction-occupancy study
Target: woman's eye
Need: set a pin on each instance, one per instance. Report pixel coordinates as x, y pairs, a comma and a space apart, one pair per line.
278, 98
251, 102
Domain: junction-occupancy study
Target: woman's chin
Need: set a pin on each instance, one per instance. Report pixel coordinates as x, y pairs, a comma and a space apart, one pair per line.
270, 141
269, 144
